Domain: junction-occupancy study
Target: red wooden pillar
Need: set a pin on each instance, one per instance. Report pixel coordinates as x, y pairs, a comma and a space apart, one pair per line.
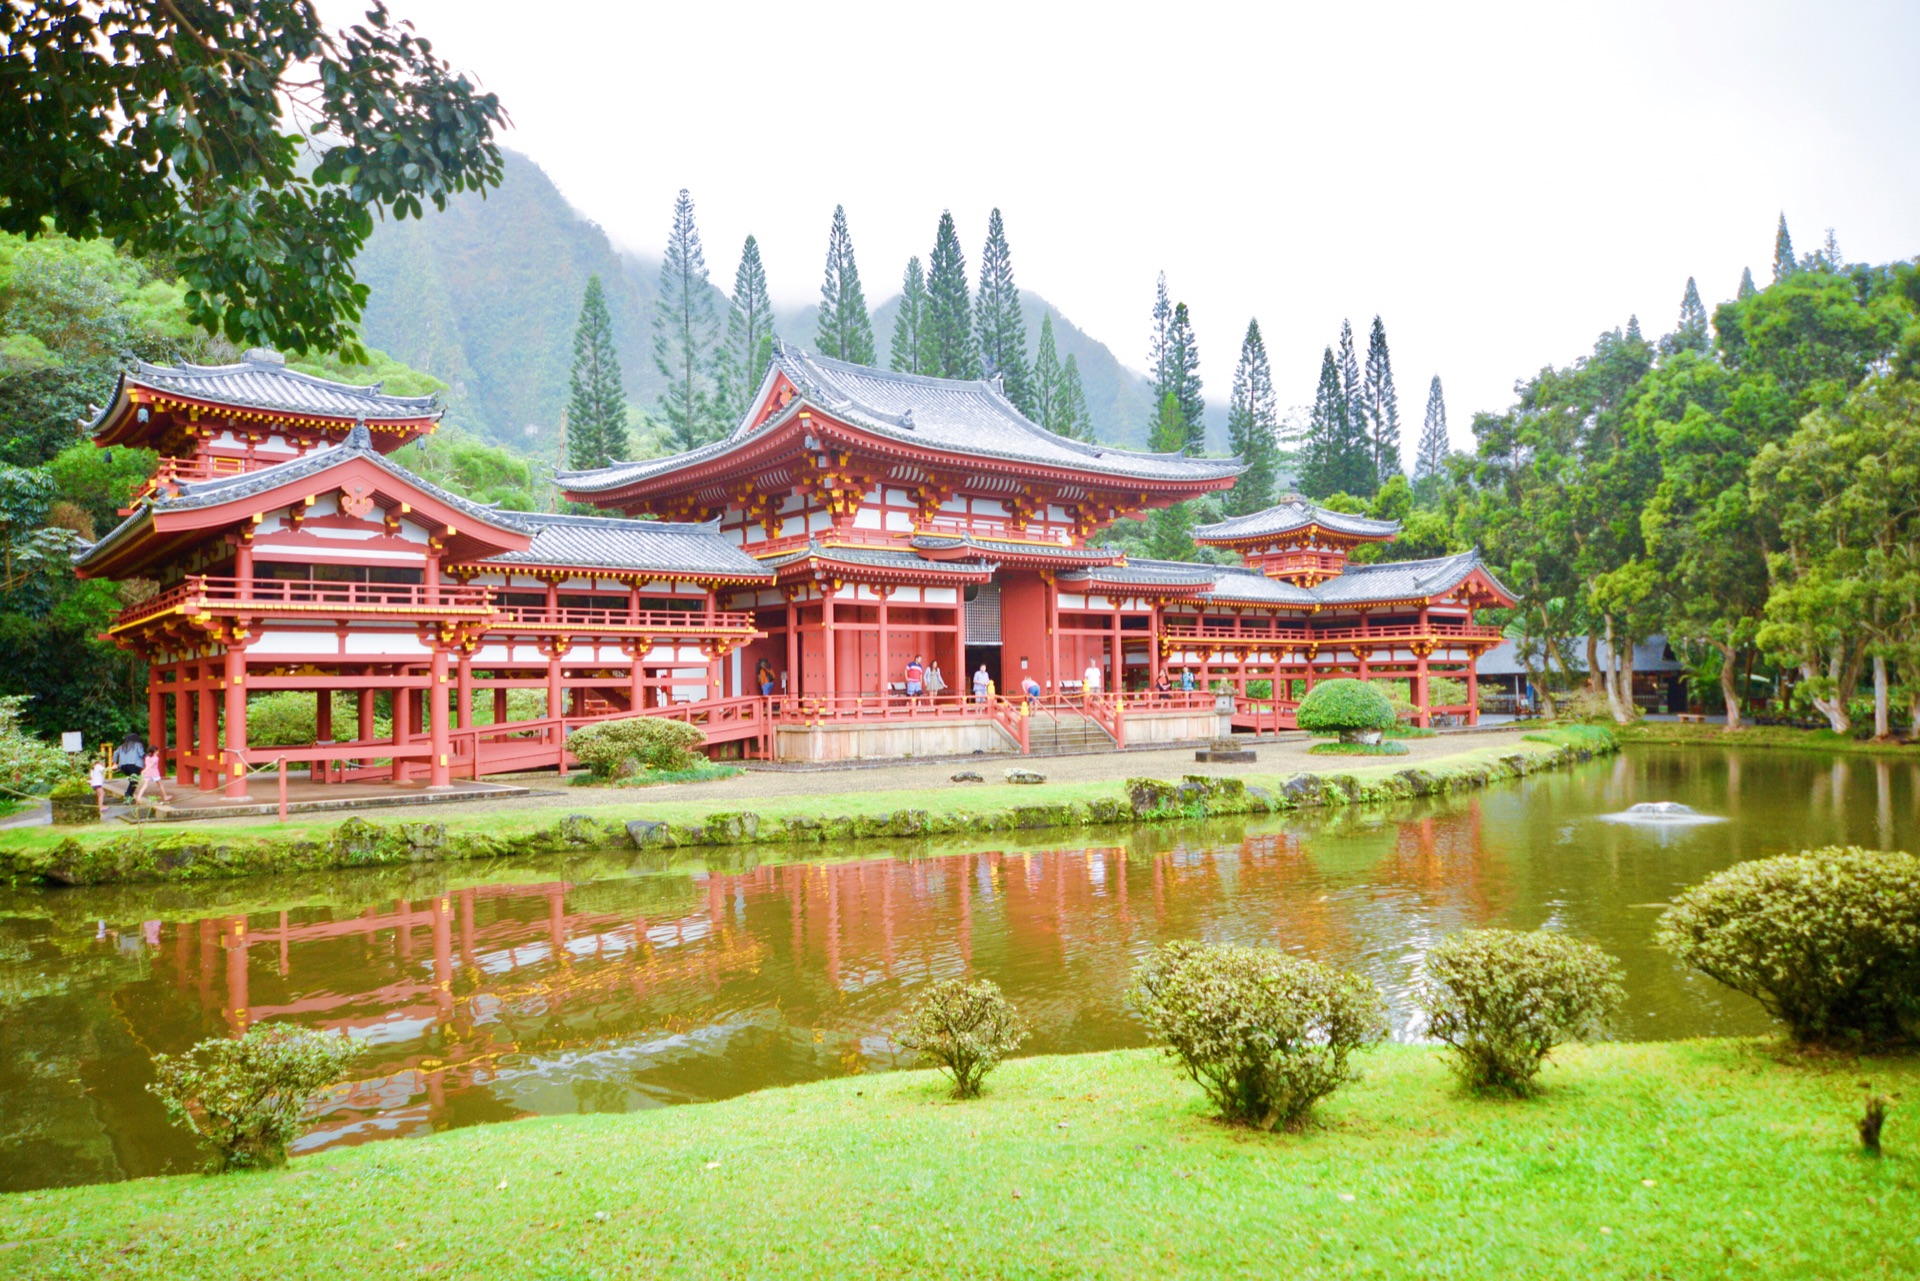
365, 728
323, 716
556, 696
636, 679
1420, 715
1116, 678
826, 639
500, 705
1053, 634
402, 727
157, 717
211, 775
183, 708
464, 693
1473, 689
235, 769
885, 644
793, 648
439, 765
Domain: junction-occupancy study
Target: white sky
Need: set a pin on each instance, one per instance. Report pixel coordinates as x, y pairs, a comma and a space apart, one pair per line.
1499, 183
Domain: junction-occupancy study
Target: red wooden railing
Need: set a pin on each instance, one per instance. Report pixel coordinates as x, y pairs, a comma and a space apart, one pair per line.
201, 592
199, 467
1215, 634
667, 621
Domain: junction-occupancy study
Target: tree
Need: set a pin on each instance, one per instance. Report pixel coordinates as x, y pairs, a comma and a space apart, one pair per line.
1337, 455
1784, 264
246, 144
748, 348
1747, 287
1183, 379
685, 333
596, 398
998, 326
1430, 464
1355, 430
947, 349
845, 330
1047, 373
1169, 433
1157, 344
909, 326
1253, 419
1075, 420
1692, 333
1380, 404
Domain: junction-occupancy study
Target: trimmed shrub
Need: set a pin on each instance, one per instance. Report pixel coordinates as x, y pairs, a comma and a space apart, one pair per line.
1266, 1035
26, 763
1345, 707
1503, 999
964, 1029
1827, 940
249, 1098
616, 749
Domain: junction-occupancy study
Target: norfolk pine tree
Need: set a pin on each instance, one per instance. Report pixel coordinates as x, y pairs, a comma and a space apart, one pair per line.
947, 347
685, 334
1075, 419
1169, 433
846, 330
1382, 404
1046, 378
1747, 288
909, 324
1253, 418
1356, 445
1784, 264
998, 326
748, 348
1692, 333
1183, 379
596, 401
1430, 464
1157, 344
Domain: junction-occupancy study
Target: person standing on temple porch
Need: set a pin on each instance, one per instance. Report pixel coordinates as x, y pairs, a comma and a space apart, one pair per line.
1090, 681
763, 677
916, 677
982, 684
935, 681
1186, 680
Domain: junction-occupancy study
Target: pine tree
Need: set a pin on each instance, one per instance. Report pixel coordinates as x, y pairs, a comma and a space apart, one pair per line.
1355, 453
998, 325
1829, 253
1430, 466
1169, 432
1046, 379
947, 347
1381, 404
685, 334
596, 400
1784, 264
1691, 334
1075, 420
1183, 379
1170, 533
1320, 447
748, 348
1157, 345
845, 331
1633, 329
1253, 418
909, 325
1747, 289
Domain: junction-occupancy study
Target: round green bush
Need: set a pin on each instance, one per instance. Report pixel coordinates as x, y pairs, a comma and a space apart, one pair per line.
1827, 940
615, 749
249, 1097
1503, 999
1344, 707
1266, 1035
964, 1029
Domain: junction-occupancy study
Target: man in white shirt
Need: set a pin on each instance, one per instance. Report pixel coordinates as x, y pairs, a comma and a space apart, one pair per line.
1090, 680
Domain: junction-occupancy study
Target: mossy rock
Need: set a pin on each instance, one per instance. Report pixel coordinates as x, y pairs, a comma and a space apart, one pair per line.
1151, 796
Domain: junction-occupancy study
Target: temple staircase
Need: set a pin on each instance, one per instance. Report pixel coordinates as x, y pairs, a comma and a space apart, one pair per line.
1058, 732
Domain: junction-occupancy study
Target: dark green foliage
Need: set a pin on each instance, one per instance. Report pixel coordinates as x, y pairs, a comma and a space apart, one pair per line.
1047, 373
947, 347
596, 399
1183, 380
615, 749
1747, 288
1336, 456
1075, 420
1828, 941
169, 136
1170, 533
909, 323
685, 333
248, 1098
998, 328
1264, 1034
99, 481
748, 348
1345, 707
1503, 999
845, 330
1169, 434
1253, 421
964, 1029
1692, 333
1157, 345
1784, 264
456, 460
1380, 405
1430, 464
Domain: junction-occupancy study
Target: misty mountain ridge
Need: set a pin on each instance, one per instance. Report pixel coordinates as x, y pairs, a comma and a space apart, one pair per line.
486, 294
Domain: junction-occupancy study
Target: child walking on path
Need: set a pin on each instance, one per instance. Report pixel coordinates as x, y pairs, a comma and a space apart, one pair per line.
150, 777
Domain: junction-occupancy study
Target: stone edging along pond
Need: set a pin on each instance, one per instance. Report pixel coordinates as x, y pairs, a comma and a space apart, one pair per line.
147, 854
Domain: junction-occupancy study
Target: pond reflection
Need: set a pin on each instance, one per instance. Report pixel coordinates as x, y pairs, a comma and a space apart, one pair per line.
616, 982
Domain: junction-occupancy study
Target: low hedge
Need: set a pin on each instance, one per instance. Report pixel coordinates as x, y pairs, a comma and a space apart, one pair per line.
619, 749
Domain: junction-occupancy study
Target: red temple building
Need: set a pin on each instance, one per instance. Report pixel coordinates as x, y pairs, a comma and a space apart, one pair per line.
855, 520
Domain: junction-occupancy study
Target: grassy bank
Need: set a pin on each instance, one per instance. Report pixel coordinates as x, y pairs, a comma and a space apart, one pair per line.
1771, 736
185, 852
1699, 1159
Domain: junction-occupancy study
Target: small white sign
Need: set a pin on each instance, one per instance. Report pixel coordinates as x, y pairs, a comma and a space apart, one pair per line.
70, 741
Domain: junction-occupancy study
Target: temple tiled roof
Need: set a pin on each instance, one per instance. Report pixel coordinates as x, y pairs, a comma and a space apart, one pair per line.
1401, 580
646, 545
880, 558
1289, 515
1145, 573
263, 381
950, 415
1241, 585
1009, 549
227, 489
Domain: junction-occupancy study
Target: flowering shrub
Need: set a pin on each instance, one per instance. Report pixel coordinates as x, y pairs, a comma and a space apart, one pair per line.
1266, 1035
26, 763
614, 749
1827, 940
1345, 707
964, 1029
1504, 999
248, 1098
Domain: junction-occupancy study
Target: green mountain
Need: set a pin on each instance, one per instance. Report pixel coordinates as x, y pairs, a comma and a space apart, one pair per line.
484, 296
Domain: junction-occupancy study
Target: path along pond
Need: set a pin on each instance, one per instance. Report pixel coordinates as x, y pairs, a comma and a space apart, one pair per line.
615, 982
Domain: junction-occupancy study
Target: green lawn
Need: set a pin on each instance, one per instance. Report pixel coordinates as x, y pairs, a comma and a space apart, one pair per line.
1714, 733
1692, 1160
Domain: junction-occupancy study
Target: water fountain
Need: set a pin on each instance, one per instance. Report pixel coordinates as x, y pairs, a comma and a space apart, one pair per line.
1663, 814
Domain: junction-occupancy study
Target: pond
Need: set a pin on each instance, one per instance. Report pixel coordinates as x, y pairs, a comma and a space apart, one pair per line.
616, 982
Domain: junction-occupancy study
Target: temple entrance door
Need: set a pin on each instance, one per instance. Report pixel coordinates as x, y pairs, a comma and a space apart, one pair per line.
976, 655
